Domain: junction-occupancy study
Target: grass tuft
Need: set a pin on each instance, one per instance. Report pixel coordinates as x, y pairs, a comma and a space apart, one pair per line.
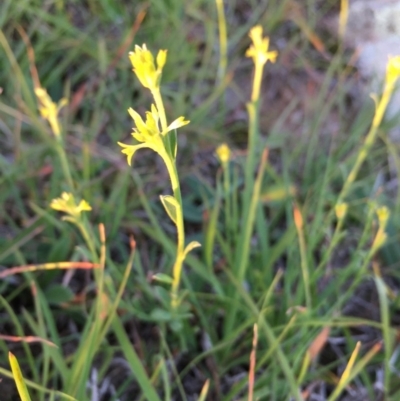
105, 292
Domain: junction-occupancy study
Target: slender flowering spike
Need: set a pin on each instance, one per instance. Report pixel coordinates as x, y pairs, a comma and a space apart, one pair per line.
258, 51
152, 133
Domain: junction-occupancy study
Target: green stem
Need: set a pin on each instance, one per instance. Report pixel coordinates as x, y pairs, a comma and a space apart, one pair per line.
228, 204
173, 175
243, 255
369, 140
160, 108
304, 265
88, 239
177, 268
253, 110
222, 40
64, 164
258, 71
250, 196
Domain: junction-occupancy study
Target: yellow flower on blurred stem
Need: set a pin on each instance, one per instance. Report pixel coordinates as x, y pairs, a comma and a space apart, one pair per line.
341, 210
379, 240
393, 70
67, 204
148, 133
145, 130
223, 153
161, 59
383, 214
258, 51
144, 67
49, 110
177, 123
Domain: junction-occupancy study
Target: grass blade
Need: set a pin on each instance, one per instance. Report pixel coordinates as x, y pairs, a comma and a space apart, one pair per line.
19, 379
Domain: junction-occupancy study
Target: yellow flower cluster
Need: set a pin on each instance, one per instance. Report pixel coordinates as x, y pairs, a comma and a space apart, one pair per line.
49, 110
149, 133
143, 66
393, 70
67, 204
258, 51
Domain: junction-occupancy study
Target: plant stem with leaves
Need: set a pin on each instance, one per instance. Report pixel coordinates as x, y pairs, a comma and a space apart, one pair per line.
258, 51
156, 134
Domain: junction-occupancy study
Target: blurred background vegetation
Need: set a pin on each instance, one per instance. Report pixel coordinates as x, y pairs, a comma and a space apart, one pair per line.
314, 117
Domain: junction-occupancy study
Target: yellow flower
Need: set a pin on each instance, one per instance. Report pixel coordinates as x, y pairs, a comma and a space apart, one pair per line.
148, 133
223, 153
144, 130
379, 240
161, 59
130, 150
66, 203
341, 210
144, 67
393, 70
259, 49
179, 122
383, 214
49, 110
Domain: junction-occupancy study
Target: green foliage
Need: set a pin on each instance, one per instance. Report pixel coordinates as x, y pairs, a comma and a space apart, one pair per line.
289, 229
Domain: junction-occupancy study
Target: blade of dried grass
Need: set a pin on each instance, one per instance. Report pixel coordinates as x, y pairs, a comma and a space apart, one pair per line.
253, 363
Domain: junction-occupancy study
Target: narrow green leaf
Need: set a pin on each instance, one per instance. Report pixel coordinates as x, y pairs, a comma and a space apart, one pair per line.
209, 241
277, 193
356, 370
171, 206
134, 362
173, 143
387, 332
52, 393
19, 379
162, 278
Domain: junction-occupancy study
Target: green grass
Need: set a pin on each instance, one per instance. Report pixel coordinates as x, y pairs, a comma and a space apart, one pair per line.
275, 250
